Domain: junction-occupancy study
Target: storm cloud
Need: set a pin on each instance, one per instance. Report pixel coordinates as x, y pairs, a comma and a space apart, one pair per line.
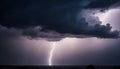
54, 19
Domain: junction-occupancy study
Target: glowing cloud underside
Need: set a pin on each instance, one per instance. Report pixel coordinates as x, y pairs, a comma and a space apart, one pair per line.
51, 53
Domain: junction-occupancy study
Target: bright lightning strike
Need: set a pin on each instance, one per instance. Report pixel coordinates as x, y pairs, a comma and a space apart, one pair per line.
51, 53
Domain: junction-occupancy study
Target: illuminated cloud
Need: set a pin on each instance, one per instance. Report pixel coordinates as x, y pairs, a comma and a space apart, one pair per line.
56, 19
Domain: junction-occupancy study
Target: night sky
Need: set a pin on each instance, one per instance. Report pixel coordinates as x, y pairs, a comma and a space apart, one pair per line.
85, 32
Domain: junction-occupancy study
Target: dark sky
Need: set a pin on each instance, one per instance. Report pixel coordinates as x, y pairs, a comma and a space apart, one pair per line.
26, 25
56, 15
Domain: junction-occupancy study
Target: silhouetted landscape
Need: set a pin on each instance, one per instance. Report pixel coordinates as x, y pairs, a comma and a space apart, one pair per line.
58, 67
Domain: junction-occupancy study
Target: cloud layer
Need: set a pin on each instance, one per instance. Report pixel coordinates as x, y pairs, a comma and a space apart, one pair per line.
55, 19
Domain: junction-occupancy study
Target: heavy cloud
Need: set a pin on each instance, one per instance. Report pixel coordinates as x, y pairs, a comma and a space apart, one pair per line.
54, 19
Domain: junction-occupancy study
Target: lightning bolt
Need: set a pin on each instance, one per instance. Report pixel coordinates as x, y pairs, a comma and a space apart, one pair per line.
51, 53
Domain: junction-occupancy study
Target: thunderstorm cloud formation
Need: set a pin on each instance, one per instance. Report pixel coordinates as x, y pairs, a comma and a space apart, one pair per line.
29, 28
55, 18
